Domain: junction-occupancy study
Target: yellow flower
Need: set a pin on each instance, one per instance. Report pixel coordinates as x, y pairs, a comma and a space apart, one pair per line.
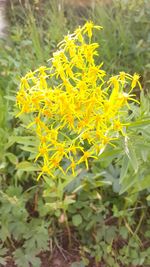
72, 166
88, 28
55, 163
24, 83
85, 157
75, 109
43, 152
45, 169
135, 80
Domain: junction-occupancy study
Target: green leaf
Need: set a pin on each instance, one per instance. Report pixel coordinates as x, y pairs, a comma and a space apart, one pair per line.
124, 169
11, 141
20, 258
27, 166
35, 261
37, 236
12, 158
3, 252
148, 198
26, 140
129, 182
123, 232
4, 233
3, 261
76, 220
142, 184
139, 123
109, 154
110, 234
3, 165
138, 184
29, 149
24, 259
49, 182
132, 157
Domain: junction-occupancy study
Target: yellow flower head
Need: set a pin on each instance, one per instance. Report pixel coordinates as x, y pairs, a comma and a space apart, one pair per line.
76, 109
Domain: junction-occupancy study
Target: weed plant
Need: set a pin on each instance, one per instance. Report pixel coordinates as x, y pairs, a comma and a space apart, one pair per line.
105, 208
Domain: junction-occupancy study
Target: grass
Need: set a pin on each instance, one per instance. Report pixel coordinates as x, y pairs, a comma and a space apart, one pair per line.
110, 228
124, 42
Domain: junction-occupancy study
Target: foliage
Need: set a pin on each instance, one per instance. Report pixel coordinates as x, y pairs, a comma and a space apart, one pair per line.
110, 223
125, 41
101, 236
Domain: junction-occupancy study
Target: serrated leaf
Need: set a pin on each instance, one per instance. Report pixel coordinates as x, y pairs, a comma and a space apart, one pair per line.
24, 259
35, 261
20, 258
36, 236
76, 220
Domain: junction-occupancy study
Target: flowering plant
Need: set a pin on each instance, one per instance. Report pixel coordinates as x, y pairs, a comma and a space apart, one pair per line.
76, 109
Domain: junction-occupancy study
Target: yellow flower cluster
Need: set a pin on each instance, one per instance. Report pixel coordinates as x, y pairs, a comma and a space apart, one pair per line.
75, 109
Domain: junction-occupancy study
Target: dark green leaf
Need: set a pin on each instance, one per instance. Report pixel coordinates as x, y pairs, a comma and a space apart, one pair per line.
76, 219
